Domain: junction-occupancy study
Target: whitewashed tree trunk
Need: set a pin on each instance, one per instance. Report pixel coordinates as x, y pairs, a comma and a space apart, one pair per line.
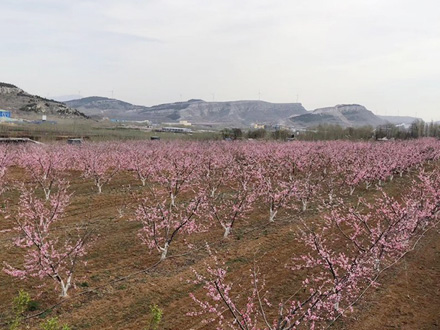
272, 214
227, 231
46, 193
352, 188
338, 299
304, 204
213, 190
164, 251
376, 264
330, 196
65, 286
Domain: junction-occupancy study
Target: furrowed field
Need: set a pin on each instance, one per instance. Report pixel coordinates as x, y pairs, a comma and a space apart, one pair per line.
220, 235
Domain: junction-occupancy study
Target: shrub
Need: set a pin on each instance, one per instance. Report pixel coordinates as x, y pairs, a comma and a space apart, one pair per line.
156, 316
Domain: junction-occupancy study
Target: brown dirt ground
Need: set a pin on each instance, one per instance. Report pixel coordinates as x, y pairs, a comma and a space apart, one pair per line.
409, 297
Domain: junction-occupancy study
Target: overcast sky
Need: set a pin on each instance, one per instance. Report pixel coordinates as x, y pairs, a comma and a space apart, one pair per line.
382, 54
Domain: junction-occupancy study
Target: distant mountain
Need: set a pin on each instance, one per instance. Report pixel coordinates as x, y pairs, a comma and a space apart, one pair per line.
234, 113
96, 106
240, 112
345, 115
398, 120
196, 111
22, 104
64, 98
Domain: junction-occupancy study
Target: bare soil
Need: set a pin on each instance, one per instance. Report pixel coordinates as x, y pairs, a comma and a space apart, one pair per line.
121, 280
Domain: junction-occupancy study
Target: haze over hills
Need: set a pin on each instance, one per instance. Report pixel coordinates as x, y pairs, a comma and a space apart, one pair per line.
345, 115
397, 120
240, 112
99, 107
64, 98
235, 113
24, 104
195, 111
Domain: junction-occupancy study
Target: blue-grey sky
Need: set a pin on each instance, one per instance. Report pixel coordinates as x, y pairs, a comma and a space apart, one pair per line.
384, 54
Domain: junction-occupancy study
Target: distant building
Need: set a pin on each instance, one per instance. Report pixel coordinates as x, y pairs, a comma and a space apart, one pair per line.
18, 140
53, 122
278, 127
403, 126
258, 126
75, 141
176, 130
5, 113
184, 123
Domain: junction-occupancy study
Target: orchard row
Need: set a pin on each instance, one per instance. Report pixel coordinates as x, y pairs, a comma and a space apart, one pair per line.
187, 188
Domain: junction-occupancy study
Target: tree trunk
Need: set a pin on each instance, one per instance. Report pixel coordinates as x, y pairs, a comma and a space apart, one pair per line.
227, 231
65, 286
377, 265
272, 214
330, 196
46, 193
352, 188
304, 205
164, 251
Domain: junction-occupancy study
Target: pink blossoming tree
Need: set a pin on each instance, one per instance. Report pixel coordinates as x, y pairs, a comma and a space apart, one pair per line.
47, 255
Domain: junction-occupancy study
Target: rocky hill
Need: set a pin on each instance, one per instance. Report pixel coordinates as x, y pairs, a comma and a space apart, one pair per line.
345, 115
22, 104
96, 106
239, 113
235, 113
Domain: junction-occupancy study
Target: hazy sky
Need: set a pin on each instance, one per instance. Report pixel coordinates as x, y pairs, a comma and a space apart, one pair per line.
382, 54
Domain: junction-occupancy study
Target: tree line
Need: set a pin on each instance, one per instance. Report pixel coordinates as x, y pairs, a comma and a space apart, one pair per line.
418, 129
